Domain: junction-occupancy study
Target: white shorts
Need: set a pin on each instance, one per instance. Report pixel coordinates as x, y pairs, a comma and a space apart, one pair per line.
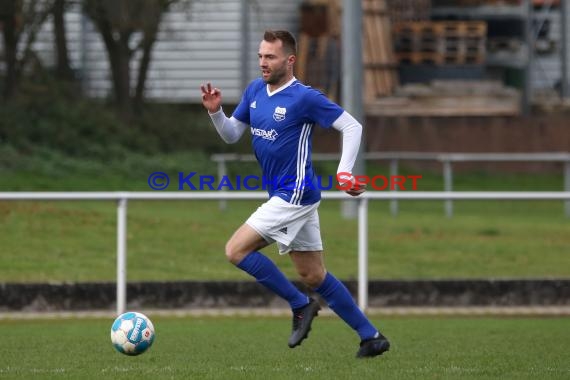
293, 227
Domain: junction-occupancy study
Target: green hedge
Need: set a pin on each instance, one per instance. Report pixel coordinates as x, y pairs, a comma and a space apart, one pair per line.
49, 129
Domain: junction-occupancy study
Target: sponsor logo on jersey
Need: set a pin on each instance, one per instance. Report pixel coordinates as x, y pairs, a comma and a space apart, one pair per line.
253, 104
279, 113
268, 135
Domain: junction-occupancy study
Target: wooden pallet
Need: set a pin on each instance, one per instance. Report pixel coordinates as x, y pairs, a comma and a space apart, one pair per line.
420, 58
441, 28
380, 75
440, 42
328, 14
408, 10
318, 47
318, 58
462, 28
461, 46
318, 63
438, 59
464, 59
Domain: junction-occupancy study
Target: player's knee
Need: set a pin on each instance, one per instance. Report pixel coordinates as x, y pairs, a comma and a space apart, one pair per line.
312, 278
233, 254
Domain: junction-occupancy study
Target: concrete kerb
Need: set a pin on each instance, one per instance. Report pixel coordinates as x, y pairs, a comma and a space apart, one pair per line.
538, 297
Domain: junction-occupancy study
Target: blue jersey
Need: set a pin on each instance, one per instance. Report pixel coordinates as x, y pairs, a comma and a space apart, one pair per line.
281, 130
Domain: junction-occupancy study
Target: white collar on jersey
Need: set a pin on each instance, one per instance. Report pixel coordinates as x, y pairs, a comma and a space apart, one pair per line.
269, 93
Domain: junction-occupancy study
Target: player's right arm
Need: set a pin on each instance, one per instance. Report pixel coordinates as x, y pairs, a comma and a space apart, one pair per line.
229, 129
326, 113
351, 131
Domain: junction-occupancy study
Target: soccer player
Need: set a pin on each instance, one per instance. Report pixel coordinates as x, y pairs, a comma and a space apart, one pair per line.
280, 113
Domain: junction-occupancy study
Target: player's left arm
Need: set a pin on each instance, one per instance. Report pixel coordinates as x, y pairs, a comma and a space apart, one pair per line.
351, 131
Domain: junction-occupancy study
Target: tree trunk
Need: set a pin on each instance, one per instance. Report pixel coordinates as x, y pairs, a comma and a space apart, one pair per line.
117, 21
123, 80
120, 72
16, 20
148, 42
10, 46
119, 59
63, 69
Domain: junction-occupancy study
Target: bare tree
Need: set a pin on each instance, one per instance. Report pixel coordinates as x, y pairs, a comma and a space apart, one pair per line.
8, 12
119, 22
63, 68
20, 19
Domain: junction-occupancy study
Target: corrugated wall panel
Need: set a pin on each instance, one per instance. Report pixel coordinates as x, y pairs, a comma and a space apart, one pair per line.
197, 44
547, 67
270, 14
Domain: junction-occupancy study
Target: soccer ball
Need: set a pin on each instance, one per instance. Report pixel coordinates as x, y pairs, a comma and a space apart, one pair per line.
132, 333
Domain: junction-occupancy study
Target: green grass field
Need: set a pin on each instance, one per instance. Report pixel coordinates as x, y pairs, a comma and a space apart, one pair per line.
184, 240
256, 348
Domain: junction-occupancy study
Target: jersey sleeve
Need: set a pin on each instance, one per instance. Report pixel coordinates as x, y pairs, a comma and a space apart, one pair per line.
321, 109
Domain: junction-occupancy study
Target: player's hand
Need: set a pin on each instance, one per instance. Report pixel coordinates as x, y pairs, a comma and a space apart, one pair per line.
350, 185
356, 189
211, 97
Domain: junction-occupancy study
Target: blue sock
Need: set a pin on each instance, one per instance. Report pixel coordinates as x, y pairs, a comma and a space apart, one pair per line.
267, 274
340, 300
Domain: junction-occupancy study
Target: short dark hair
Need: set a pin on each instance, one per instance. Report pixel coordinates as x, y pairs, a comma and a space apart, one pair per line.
289, 42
